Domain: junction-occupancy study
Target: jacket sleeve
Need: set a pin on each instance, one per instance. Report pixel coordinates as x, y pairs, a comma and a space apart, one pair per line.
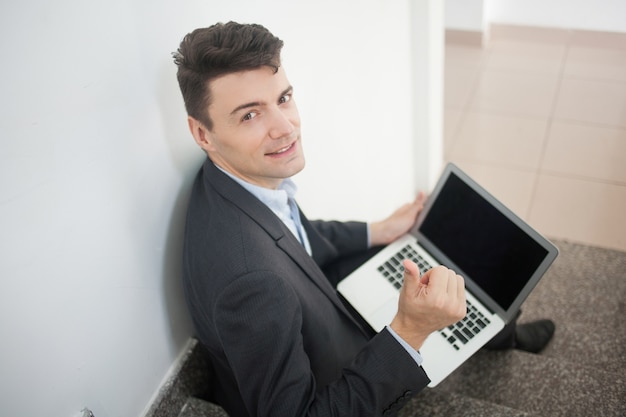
332, 239
272, 368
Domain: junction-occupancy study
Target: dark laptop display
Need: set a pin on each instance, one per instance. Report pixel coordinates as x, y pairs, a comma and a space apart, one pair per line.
500, 253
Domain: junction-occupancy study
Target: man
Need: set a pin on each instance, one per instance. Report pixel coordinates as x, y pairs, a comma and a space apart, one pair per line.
259, 276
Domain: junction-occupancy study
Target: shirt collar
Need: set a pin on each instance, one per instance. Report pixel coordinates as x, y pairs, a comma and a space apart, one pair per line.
276, 200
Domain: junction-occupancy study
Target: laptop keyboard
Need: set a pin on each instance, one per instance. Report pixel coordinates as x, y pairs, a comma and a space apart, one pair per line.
393, 270
456, 334
464, 330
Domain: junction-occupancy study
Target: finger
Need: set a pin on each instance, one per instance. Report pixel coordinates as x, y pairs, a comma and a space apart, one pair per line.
418, 204
452, 283
413, 282
456, 285
461, 288
411, 271
436, 278
411, 209
421, 198
461, 295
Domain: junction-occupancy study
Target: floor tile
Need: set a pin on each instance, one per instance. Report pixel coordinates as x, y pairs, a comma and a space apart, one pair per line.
526, 57
598, 40
464, 56
586, 151
596, 64
538, 35
599, 102
581, 211
452, 120
514, 94
458, 86
503, 140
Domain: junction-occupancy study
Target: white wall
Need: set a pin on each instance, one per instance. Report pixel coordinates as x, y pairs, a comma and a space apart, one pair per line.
96, 160
465, 15
598, 15
353, 88
93, 163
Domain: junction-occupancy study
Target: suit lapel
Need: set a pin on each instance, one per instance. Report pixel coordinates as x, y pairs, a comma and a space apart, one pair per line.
290, 245
267, 220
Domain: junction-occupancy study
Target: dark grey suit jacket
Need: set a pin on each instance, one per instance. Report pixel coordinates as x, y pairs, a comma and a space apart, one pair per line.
280, 340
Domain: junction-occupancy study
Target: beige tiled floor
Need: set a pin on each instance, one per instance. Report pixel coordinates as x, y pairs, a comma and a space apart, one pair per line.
538, 116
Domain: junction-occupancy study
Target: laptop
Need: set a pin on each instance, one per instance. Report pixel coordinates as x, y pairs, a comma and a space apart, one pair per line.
465, 228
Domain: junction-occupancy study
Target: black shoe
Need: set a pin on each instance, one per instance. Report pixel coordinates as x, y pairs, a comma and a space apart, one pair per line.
534, 336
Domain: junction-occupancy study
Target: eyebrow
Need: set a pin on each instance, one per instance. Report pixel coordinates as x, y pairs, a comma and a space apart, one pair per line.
258, 103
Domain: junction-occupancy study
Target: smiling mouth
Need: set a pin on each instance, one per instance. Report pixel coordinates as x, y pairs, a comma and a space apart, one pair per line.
282, 150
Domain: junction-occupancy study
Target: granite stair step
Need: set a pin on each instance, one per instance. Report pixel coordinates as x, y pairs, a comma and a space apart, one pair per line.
507, 383
195, 407
428, 403
539, 385
432, 402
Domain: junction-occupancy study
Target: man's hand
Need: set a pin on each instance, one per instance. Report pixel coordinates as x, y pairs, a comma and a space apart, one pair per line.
428, 303
386, 231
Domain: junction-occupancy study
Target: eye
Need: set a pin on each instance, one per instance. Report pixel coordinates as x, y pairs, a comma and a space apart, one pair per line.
248, 116
284, 99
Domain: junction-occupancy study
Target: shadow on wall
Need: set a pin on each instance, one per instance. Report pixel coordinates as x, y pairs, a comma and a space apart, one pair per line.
179, 321
187, 158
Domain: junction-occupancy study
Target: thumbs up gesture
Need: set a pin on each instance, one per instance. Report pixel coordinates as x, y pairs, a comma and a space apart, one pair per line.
428, 303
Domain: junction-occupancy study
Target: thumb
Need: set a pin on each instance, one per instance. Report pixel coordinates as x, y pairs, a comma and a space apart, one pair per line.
411, 273
413, 283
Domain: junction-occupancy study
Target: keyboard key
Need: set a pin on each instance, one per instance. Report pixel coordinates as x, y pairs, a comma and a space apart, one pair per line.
460, 336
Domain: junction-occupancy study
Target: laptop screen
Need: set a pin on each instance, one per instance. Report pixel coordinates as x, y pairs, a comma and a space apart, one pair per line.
485, 243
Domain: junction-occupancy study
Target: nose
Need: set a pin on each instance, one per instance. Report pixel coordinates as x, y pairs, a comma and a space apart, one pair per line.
282, 124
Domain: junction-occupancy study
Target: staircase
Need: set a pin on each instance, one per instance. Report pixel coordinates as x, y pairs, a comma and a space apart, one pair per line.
580, 374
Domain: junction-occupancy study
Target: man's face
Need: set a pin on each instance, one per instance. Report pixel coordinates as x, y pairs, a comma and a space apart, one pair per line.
256, 127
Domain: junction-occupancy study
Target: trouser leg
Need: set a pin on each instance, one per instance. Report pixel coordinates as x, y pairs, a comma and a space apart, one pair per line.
506, 338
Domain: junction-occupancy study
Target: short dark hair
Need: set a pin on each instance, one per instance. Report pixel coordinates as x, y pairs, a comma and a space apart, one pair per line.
221, 49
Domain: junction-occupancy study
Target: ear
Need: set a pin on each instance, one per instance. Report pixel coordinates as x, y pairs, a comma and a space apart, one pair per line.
201, 134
